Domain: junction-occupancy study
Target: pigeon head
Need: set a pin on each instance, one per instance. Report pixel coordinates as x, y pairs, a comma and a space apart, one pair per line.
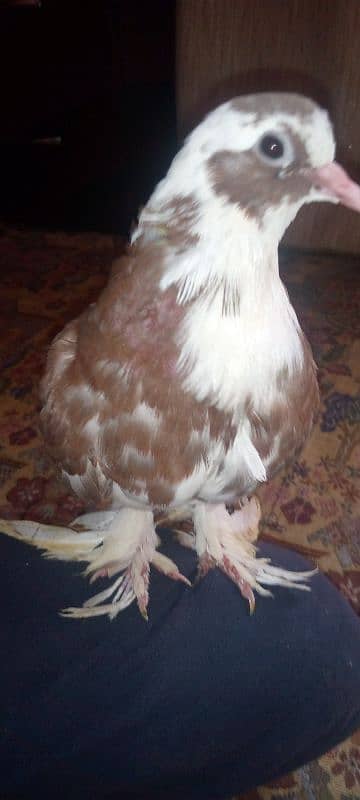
268, 171
264, 155
235, 186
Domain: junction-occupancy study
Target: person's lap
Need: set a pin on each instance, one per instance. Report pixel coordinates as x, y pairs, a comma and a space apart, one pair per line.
203, 701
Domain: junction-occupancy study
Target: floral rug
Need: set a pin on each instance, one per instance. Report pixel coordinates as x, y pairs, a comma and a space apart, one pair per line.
313, 507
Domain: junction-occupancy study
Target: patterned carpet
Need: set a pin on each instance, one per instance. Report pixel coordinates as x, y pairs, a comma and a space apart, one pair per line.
313, 508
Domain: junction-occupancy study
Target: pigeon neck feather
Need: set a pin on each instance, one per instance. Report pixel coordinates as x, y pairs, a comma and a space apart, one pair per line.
228, 254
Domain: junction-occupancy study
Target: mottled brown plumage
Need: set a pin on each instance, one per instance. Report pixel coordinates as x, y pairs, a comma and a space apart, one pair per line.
115, 356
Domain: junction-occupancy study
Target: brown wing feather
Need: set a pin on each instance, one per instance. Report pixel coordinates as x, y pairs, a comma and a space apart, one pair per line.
115, 356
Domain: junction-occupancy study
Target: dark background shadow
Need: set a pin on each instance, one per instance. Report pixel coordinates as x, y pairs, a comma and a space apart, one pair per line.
87, 121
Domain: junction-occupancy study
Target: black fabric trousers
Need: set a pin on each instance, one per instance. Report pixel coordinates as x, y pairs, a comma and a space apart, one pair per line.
203, 701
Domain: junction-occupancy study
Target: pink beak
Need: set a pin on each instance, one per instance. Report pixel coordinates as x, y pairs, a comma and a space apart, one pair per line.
337, 185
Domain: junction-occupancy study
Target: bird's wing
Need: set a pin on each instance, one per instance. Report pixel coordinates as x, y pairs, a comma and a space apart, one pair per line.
114, 406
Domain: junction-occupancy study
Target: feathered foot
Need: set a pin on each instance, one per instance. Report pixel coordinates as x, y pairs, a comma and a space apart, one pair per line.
226, 541
121, 543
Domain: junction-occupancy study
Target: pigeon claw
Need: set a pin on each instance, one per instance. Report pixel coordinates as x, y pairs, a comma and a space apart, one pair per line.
205, 564
142, 605
168, 567
234, 573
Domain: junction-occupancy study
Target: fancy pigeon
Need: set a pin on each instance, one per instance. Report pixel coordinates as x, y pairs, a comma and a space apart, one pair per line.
189, 382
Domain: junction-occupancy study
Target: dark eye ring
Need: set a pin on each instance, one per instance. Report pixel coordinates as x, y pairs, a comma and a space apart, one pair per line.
271, 146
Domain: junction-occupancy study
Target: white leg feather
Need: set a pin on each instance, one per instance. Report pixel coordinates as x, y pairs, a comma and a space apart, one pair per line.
121, 543
226, 540
95, 520
56, 541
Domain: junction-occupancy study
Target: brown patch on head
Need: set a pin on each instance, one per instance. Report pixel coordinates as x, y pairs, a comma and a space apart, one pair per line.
265, 103
244, 179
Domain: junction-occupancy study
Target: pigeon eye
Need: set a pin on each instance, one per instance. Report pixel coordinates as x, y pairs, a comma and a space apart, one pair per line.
271, 147
275, 149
